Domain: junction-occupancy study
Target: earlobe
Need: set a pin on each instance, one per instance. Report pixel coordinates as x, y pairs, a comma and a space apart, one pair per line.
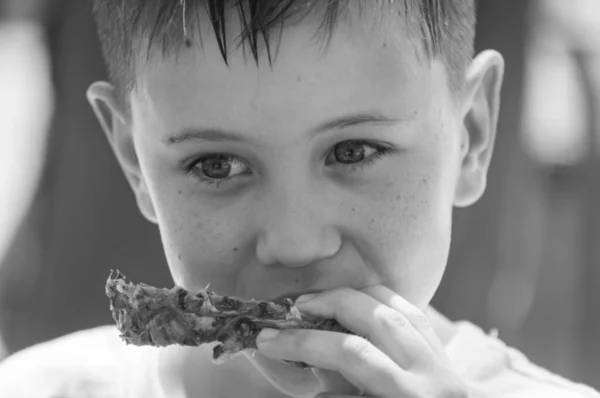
118, 131
480, 108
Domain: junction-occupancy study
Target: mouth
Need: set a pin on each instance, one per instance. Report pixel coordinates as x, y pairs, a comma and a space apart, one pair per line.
293, 295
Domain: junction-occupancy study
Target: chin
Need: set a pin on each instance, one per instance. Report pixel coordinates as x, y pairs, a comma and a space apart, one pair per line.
287, 378
297, 382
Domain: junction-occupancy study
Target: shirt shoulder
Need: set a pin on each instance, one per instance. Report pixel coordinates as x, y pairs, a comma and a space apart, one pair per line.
84, 364
494, 370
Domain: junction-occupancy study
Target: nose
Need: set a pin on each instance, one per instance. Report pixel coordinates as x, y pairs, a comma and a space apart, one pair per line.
296, 228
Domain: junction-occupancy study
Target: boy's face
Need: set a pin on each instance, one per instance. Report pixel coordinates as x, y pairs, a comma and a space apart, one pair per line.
326, 171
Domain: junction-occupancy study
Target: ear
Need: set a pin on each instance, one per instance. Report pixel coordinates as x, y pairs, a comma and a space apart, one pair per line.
480, 107
103, 100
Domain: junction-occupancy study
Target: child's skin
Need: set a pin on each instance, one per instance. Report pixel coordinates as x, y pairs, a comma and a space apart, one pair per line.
293, 218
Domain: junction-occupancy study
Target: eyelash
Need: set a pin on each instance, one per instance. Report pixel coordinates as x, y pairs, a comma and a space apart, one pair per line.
381, 151
196, 175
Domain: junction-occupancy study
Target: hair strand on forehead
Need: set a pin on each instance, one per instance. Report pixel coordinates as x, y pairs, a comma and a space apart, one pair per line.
183, 22
446, 28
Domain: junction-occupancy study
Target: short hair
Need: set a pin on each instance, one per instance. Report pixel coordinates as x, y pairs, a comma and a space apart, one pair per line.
446, 27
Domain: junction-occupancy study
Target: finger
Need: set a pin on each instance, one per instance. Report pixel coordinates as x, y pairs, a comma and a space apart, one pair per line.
361, 363
415, 316
385, 327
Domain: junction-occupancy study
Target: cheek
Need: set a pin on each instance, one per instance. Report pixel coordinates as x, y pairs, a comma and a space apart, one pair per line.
200, 246
418, 215
412, 237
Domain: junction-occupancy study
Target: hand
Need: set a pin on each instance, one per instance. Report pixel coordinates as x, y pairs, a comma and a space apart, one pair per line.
399, 356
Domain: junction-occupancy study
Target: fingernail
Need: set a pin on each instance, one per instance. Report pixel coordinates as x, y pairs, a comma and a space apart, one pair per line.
305, 298
267, 335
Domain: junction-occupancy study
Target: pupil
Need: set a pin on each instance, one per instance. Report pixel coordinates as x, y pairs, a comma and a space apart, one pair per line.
217, 167
350, 152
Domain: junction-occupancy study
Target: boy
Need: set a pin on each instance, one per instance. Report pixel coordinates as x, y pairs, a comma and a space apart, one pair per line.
298, 163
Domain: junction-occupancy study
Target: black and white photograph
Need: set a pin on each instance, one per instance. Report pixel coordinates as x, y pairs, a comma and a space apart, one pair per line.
299, 198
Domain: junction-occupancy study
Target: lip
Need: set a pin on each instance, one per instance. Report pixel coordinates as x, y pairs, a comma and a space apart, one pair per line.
294, 295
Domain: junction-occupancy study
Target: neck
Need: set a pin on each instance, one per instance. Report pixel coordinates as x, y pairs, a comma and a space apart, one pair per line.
188, 372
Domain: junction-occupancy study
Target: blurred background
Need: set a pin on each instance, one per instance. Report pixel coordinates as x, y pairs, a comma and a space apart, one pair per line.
525, 260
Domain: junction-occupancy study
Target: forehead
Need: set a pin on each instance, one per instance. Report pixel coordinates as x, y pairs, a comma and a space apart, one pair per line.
364, 67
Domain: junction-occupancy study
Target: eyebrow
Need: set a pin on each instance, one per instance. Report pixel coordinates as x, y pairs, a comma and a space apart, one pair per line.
218, 135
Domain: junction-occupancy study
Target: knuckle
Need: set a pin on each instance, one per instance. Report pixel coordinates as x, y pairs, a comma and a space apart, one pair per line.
300, 341
338, 291
419, 319
393, 319
339, 297
346, 293
356, 351
345, 290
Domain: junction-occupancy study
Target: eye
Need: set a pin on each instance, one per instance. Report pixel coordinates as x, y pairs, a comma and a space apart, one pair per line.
349, 152
217, 169
356, 153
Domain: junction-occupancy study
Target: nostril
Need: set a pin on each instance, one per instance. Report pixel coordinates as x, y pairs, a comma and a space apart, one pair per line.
292, 239
296, 254
292, 264
285, 258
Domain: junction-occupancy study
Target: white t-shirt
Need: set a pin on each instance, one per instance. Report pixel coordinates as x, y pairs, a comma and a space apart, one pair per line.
96, 363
